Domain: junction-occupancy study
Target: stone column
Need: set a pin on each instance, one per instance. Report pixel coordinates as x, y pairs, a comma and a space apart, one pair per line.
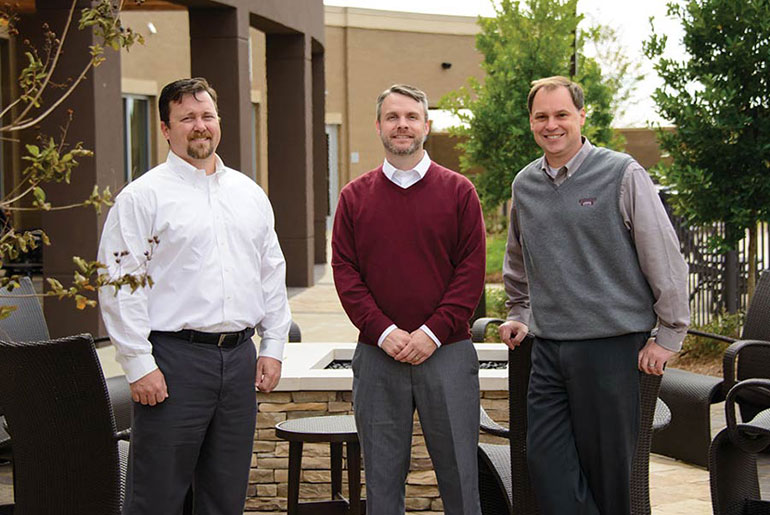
290, 150
95, 106
219, 51
320, 158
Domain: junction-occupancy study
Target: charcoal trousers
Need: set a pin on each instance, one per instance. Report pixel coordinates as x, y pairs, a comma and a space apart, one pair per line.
583, 415
202, 434
445, 391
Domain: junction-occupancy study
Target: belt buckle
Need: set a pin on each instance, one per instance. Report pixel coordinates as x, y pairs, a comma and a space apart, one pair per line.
222, 337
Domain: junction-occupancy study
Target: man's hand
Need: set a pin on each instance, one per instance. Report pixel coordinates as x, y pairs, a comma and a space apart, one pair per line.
419, 348
512, 333
268, 374
150, 389
652, 357
395, 342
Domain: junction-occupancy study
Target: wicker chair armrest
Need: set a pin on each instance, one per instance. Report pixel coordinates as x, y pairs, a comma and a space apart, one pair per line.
102, 341
731, 357
751, 436
479, 328
713, 336
490, 426
295, 333
124, 435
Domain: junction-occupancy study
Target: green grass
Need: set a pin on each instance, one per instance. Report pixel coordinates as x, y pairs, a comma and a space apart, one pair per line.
495, 251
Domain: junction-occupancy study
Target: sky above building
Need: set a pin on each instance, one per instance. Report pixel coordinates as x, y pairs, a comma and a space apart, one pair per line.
629, 17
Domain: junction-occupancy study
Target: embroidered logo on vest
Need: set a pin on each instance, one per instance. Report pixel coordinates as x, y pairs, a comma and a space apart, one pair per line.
587, 201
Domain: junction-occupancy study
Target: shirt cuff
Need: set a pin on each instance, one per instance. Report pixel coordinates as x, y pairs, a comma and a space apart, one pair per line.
385, 333
669, 339
271, 348
427, 331
136, 367
519, 314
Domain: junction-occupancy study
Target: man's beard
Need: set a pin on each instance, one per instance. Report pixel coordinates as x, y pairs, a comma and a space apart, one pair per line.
400, 151
195, 151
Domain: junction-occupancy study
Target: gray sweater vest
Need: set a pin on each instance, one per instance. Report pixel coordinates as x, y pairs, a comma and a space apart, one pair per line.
584, 276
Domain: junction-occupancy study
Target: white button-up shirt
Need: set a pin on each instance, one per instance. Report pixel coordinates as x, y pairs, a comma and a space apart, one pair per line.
217, 267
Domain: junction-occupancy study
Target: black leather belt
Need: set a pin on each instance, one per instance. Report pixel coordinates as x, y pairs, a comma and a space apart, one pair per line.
227, 340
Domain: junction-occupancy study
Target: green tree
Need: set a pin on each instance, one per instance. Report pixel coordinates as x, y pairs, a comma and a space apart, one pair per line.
52, 160
719, 100
525, 41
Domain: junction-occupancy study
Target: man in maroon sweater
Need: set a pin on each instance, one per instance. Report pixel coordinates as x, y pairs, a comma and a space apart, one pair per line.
408, 255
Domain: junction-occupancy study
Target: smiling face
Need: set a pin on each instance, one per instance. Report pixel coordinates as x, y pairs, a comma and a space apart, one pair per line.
193, 130
402, 125
556, 123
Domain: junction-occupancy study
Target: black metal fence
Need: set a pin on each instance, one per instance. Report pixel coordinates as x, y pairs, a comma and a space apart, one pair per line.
717, 282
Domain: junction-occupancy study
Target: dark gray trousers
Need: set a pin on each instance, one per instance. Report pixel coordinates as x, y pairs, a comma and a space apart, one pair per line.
445, 391
202, 434
583, 415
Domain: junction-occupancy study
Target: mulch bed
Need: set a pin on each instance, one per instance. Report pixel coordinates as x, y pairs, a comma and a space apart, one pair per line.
707, 366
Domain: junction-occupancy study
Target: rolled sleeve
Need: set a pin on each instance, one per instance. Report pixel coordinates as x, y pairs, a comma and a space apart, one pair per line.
514, 273
274, 326
660, 260
122, 249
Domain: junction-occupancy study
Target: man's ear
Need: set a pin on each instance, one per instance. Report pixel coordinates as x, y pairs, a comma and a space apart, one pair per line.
164, 129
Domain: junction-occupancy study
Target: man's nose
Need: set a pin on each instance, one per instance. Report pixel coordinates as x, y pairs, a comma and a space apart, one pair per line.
198, 124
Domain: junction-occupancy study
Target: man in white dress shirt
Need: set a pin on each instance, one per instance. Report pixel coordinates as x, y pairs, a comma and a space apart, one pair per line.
185, 343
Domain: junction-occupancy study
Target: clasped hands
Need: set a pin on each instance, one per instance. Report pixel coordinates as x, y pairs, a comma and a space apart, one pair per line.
412, 348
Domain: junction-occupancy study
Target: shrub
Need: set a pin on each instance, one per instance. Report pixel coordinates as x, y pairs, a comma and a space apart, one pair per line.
724, 324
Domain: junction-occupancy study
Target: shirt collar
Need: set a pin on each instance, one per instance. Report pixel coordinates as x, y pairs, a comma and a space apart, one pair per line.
421, 167
573, 164
190, 173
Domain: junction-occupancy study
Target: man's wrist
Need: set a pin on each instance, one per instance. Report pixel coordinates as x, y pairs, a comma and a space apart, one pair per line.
385, 333
424, 328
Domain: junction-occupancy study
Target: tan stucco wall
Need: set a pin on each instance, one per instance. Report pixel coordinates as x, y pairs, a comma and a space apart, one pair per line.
165, 56
259, 102
367, 51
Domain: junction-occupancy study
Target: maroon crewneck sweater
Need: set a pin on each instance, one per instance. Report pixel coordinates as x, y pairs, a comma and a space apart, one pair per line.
409, 256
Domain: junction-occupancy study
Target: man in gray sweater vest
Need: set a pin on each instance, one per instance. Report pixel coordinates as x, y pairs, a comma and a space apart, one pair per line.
592, 265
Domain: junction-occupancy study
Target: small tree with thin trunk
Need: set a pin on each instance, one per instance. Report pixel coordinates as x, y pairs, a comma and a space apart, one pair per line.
525, 41
52, 159
719, 100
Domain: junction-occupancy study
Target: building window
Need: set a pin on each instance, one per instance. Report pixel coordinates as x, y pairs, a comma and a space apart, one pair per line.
136, 121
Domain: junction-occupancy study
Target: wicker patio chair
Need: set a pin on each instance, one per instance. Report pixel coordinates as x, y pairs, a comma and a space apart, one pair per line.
66, 451
27, 324
504, 482
691, 395
733, 455
295, 334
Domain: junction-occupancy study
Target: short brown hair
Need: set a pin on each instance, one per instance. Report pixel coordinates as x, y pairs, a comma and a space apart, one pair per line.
174, 91
551, 83
406, 90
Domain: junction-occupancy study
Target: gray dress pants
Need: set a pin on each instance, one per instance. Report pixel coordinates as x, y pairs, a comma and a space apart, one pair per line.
445, 391
202, 434
583, 415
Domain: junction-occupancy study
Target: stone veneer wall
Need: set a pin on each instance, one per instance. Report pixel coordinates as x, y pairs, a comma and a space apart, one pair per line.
270, 461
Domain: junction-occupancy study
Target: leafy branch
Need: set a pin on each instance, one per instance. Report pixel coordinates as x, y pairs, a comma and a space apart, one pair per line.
52, 160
